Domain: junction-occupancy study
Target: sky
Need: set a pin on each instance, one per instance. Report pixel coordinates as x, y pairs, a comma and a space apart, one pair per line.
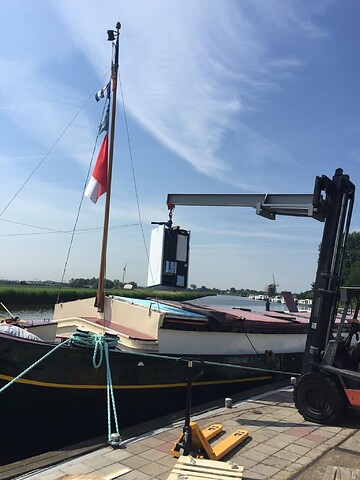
251, 96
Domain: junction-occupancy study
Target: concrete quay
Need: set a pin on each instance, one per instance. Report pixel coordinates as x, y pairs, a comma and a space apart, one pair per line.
281, 445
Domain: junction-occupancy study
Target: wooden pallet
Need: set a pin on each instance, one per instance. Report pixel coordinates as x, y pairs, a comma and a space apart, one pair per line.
190, 468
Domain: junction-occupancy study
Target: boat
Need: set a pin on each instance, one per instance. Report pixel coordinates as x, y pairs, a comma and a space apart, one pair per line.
109, 362
66, 396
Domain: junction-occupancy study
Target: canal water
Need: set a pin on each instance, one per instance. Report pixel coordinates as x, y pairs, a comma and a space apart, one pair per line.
30, 313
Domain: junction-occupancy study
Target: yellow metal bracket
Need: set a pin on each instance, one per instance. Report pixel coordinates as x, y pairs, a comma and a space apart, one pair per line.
200, 442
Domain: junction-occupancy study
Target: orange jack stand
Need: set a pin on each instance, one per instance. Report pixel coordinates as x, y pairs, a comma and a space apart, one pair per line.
200, 446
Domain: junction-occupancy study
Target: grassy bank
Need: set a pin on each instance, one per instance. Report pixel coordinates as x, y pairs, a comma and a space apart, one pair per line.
48, 295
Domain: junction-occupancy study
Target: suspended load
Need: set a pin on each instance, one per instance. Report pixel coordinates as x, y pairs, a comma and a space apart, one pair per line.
169, 257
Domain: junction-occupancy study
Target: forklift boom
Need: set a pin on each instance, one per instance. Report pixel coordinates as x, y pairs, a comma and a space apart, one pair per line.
331, 202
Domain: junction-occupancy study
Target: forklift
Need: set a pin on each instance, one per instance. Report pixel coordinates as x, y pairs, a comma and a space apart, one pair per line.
330, 375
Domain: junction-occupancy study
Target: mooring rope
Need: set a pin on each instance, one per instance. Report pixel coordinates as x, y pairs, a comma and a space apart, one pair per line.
101, 345
216, 364
113, 438
2, 389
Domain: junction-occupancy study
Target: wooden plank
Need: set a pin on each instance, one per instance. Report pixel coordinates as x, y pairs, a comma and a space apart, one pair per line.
109, 476
197, 469
181, 475
341, 473
202, 470
204, 462
208, 475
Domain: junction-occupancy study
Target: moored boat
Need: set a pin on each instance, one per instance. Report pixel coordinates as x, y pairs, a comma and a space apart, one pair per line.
66, 395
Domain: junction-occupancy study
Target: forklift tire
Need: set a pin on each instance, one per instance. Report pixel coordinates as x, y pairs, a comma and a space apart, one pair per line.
319, 398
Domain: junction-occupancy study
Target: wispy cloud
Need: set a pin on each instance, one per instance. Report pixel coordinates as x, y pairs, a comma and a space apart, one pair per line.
190, 69
293, 17
42, 109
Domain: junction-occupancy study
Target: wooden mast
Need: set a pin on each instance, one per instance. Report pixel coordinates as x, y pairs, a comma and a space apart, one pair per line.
100, 295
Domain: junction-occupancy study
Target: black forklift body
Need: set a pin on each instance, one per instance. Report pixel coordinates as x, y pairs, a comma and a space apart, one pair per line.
330, 377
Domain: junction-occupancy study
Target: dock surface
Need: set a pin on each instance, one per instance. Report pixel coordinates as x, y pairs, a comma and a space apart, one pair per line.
281, 445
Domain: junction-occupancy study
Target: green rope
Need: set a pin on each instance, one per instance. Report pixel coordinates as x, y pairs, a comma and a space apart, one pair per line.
91, 340
113, 439
33, 365
216, 364
102, 344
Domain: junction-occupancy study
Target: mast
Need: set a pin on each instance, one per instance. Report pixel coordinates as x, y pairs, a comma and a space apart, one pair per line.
100, 295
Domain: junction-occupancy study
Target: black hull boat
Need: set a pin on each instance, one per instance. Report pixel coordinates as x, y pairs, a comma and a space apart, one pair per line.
63, 398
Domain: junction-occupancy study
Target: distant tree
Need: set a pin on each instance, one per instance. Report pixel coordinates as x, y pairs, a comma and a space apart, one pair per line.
118, 284
78, 282
306, 294
245, 292
193, 286
109, 284
353, 277
351, 265
350, 268
233, 290
203, 289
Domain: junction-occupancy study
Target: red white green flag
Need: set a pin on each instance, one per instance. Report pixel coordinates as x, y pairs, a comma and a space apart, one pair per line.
98, 181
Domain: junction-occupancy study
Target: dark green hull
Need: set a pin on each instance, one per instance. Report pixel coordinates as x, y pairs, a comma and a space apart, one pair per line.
63, 399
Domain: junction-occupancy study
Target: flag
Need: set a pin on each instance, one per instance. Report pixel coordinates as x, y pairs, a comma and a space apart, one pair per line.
103, 93
98, 181
104, 125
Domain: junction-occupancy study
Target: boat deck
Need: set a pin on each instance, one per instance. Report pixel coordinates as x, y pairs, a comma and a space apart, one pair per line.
266, 317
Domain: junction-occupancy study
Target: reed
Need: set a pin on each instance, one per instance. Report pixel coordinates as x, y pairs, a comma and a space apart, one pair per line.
48, 295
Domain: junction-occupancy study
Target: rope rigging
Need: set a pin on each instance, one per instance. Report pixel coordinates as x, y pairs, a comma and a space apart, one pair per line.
101, 345
134, 178
219, 364
81, 201
46, 155
52, 232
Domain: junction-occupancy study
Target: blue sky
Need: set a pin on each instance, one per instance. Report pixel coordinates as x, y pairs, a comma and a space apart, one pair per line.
221, 97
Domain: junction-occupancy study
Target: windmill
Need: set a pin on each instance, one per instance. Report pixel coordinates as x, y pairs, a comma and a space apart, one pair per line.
270, 289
